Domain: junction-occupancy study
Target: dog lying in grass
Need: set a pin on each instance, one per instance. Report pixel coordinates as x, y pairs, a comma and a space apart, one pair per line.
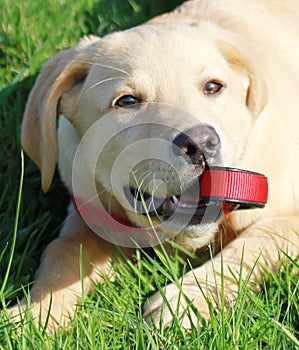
143, 114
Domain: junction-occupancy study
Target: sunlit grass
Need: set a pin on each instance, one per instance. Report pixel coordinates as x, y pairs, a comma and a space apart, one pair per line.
31, 32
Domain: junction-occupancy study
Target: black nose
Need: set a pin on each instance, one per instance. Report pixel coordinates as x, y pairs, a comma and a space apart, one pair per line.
199, 145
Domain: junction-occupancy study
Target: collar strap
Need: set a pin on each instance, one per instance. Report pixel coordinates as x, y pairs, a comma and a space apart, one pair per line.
236, 188
98, 218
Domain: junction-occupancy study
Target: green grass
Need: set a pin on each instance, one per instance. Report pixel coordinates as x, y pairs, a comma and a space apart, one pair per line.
111, 318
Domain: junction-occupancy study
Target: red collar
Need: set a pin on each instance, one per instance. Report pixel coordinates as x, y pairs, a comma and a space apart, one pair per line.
98, 217
235, 188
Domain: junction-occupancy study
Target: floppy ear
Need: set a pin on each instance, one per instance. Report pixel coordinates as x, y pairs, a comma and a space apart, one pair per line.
257, 93
66, 70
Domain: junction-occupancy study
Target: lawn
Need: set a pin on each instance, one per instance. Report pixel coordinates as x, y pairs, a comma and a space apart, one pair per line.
31, 32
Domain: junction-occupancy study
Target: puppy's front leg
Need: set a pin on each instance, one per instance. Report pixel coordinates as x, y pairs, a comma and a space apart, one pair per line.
58, 285
263, 243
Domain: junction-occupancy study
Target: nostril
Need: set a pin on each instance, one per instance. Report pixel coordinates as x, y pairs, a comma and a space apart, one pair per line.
212, 145
197, 144
185, 146
191, 150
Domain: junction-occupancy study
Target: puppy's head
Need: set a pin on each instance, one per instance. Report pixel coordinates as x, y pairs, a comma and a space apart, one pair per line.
168, 101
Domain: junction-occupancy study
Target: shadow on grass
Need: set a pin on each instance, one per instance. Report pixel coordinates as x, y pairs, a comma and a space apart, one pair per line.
41, 214
110, 15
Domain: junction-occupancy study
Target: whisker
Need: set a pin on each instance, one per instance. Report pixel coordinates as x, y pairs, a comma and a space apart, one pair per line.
102, 192
97, 64
135, 205
110, 67
141, 168
109, 206
139, 191
142, 182
153, 196
101, 82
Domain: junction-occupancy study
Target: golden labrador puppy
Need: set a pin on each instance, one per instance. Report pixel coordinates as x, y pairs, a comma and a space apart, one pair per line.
148, 110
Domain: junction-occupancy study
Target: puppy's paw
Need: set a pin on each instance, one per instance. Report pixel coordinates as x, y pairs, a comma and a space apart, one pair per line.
186, 305
39, 314
16, 313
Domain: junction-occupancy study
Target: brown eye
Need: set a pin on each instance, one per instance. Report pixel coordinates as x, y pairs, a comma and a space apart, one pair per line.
212, 87
127, 100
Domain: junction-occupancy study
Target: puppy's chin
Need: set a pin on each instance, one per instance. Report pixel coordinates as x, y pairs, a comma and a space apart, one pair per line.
204, 231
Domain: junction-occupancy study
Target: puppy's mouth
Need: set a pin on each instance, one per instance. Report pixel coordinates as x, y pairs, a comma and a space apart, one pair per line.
187, 205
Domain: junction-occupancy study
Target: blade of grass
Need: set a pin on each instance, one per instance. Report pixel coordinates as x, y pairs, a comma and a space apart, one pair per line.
15, 231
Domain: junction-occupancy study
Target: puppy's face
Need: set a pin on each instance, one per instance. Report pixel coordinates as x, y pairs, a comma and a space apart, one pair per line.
156, 105
173, 105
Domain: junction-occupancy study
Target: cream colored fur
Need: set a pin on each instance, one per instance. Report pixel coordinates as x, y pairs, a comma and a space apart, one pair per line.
251, 45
